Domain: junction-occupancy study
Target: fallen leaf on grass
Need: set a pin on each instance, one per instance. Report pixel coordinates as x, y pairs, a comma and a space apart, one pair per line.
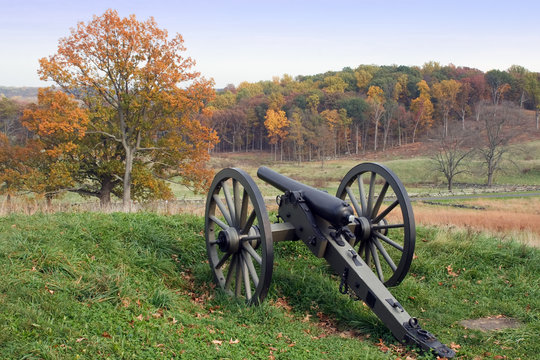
80, 339
451, 271
382, 346
157, 314
454, 346
106, 335
231, 341
217, 342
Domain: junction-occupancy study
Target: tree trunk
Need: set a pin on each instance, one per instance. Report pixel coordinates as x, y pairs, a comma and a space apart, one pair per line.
364, 136
490, 171
490, 179
126, 197
8, 203
356, 139
105, 194
537, 118
49, 197
346, 138
376, 133
385, 136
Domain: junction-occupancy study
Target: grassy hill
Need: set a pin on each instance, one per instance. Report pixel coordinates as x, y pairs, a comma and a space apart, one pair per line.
122, 286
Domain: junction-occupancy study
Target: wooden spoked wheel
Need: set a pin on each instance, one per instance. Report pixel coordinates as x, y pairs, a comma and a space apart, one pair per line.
386, 231
238, 236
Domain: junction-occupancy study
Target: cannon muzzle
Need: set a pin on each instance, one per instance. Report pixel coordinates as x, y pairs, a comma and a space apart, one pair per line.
334, 210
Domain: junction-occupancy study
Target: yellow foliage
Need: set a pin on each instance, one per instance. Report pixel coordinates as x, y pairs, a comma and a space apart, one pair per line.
376, 95
334, 84
276, 123
363, 77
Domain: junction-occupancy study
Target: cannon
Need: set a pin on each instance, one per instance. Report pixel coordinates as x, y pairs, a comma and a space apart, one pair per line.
366, 233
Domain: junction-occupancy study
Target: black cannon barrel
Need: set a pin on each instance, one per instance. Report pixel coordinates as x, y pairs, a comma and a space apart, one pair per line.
330, 208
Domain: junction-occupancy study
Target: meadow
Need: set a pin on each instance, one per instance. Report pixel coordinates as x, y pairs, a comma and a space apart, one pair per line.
79, 284
121, 286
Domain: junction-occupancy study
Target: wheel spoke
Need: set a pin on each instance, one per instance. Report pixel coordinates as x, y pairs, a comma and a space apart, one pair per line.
354, 201
361, 248
368, 259
244, 209
386, 212
379, 200
377, 262
223, 210
385, 255
232, 268
222, 261
362, 195
238, 280
230, 203
249, 222
245, 274
389, 241
371, 193
252, 252
220, 223
251, 268
237, 201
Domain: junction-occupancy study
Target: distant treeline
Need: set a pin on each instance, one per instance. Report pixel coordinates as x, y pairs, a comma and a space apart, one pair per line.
368, 107
21, 92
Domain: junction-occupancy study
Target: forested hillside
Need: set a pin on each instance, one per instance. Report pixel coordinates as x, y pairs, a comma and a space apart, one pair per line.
369, 107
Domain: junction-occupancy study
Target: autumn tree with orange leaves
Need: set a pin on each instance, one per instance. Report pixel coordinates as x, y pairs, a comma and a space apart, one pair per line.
422, 108
58, 124
127, 73
277, 124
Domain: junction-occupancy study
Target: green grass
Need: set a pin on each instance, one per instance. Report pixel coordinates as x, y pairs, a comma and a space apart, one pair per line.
124, 286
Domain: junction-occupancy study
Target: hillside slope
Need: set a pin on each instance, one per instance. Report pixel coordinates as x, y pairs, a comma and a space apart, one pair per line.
123, 286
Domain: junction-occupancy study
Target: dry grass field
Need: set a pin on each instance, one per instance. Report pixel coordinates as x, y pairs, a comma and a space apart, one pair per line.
518, 218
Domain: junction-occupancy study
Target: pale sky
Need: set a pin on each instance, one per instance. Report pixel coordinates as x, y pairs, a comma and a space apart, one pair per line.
235, 41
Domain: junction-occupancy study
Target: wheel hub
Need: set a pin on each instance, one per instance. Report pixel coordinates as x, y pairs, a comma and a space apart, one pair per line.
228, 240
363, 230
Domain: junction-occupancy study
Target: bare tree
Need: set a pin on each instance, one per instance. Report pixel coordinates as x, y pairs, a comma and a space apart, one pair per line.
451, 153
495, 134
